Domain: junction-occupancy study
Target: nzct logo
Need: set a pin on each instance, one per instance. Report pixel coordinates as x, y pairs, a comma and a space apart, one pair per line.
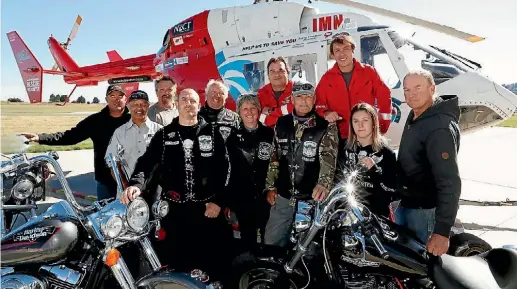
184, 27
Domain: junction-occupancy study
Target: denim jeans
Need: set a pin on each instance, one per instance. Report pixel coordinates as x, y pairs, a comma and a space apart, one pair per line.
280, 223
103, 192
421, 221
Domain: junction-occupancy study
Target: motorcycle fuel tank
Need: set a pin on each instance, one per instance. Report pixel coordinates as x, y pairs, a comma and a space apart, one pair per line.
46, 238
406, 254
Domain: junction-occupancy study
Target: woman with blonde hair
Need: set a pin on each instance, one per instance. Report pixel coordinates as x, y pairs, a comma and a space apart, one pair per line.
366, 148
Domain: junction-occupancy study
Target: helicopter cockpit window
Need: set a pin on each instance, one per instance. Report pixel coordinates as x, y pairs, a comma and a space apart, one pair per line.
418, 59
166, 39
374, 54
254, 75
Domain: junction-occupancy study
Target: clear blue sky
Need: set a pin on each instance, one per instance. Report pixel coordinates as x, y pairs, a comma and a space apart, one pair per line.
135, 29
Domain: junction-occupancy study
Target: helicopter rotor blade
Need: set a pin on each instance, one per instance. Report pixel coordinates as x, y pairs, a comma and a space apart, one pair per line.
412, 20
72, 35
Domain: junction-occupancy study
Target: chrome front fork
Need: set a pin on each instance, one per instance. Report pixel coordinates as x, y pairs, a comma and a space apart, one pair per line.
3, 225
150, 253
122, 273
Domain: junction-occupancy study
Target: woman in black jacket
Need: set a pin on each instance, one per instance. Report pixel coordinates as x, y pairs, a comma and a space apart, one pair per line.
249, 149
367, 150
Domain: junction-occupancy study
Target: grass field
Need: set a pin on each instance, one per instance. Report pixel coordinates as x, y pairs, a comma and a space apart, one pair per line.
511, 122
45, 117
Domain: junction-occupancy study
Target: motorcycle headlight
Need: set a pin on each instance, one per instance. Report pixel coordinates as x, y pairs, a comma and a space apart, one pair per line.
137, 215
301, 223
112, 227
22, 189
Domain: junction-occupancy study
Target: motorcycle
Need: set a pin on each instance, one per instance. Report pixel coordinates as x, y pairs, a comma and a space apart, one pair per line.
75, 246
340, 243
23, 185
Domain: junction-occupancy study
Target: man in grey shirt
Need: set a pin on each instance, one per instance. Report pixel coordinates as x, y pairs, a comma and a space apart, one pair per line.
131, 139
165, 109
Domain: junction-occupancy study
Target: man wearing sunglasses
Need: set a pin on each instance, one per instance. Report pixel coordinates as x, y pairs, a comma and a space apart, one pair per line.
99, 127
130, 140
350, 82
302, 162
275, 97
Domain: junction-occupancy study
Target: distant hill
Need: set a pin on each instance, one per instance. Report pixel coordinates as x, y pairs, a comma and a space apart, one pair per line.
511, 87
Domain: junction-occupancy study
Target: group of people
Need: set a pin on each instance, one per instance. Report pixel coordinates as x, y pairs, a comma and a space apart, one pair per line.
292, 141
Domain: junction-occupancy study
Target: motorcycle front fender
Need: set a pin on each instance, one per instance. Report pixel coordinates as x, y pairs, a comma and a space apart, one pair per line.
165, 279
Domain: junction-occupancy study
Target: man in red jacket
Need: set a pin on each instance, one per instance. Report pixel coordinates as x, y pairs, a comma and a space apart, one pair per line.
350, 82
275, 97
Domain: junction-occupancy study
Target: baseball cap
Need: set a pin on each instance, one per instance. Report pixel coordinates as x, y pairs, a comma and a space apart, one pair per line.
302, 87
138, 94
115, 87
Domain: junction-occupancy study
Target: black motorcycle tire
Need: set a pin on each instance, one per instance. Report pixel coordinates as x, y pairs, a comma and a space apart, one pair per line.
465, 244
245, 263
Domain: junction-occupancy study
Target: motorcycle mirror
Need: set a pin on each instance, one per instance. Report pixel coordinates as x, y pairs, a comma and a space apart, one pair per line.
13, 143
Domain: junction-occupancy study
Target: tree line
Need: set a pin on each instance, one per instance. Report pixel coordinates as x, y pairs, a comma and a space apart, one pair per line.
59, 98
62, 98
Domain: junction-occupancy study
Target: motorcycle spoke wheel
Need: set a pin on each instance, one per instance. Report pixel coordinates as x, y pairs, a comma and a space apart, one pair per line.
260, 278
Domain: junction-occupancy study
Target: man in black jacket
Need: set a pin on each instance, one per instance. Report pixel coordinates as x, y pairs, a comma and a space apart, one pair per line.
99, 127
188, 160
213, 111
428, 161
250, 149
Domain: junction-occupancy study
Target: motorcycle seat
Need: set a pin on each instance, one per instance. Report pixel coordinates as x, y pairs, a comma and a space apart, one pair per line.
494, 269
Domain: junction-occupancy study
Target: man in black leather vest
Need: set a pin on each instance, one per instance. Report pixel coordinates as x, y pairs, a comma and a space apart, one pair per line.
188, 158
302, 164
250, 150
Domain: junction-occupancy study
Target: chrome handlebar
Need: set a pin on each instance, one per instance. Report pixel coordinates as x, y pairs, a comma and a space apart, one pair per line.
47, 159
340, 193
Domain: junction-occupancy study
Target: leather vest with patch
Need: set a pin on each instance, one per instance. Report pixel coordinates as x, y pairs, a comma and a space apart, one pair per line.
250, 153
226, 120
300, 158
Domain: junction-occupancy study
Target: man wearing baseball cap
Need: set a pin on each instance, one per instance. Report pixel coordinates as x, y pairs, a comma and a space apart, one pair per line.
302, 163
99, 127
130, 140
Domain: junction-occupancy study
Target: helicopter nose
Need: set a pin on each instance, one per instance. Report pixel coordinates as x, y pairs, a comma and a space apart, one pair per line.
483, 102
508, 95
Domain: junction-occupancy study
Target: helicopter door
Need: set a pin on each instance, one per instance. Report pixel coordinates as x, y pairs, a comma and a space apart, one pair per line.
374, 51
303, 67
378, 50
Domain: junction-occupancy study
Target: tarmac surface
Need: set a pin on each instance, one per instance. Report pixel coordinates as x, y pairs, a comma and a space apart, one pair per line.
487, 167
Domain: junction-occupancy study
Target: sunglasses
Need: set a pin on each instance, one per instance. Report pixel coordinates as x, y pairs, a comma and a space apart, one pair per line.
305, 86
340, 34
138, 94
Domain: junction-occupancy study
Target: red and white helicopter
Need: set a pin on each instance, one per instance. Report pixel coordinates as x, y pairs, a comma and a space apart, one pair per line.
235, 43
126, 72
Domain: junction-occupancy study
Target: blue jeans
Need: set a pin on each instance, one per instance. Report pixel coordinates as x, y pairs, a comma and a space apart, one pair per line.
280, 223
421, 221
103, 192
